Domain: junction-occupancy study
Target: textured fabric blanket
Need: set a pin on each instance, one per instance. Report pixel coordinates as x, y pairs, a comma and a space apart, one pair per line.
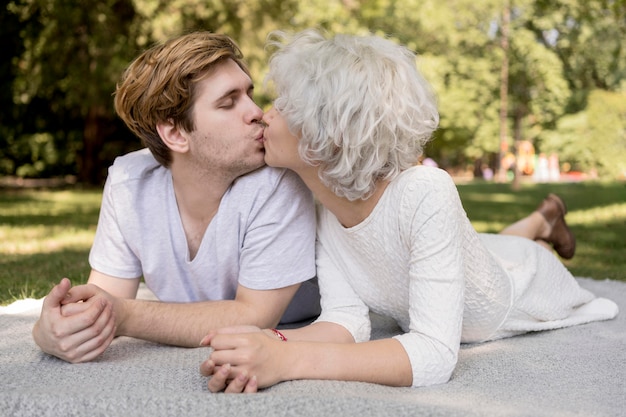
576, 371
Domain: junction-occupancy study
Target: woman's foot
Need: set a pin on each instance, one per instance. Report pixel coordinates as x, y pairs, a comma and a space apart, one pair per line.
553, 209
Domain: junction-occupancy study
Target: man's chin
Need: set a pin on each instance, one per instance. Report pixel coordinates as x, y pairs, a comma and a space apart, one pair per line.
253, 168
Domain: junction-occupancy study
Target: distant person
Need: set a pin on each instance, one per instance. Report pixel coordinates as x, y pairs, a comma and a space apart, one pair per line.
351, 117
554, 169
487, 173
219, 238
542, 171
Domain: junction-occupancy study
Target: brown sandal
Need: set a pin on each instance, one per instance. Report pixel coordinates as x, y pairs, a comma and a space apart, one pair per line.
553, 209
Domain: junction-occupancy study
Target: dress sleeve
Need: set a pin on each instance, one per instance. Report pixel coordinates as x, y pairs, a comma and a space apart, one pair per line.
434, 218
340, 304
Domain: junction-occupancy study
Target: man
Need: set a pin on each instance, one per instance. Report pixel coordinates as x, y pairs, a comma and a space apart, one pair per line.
219, 238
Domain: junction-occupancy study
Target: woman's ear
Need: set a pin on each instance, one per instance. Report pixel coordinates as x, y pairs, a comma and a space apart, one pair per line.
175, 138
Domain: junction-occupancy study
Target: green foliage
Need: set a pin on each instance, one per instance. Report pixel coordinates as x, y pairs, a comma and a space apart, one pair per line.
607, 124
594, 139
61, 60
588, 37
73, 54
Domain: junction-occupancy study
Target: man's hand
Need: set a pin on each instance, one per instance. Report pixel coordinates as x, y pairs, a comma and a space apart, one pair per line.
75, 325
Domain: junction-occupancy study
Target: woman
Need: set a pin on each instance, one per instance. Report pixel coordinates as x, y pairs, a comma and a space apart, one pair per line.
351, 119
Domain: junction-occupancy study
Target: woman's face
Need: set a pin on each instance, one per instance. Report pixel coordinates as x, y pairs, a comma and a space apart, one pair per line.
281, 146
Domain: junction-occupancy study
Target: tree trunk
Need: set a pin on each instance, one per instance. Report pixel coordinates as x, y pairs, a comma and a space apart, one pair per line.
89, 167
504, 87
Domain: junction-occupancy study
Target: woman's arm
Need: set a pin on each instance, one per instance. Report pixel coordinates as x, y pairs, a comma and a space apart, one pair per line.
319, 331
245, 362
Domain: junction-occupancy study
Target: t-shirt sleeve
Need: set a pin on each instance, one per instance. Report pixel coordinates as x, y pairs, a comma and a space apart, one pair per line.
279, 243
436, 284
110, 253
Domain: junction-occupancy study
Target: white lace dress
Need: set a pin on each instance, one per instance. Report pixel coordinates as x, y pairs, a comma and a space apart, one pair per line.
417, 259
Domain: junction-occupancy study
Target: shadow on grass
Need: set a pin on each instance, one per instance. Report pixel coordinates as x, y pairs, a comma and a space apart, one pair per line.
33, 275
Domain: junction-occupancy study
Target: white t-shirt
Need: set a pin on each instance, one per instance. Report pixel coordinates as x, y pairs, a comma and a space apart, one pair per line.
417, 258
262, 237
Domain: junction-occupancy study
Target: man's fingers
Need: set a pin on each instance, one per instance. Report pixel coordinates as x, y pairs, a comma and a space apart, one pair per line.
67, 330
252, 386
226, 378
219, 379
98, 337
81, 293
74, 308
238, 384
57, 294
207, 368
95, 331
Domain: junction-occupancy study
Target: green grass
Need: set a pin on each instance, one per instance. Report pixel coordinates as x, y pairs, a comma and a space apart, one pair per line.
46, 235
596, 214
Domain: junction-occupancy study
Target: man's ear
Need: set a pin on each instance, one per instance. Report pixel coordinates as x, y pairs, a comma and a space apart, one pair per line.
175, 138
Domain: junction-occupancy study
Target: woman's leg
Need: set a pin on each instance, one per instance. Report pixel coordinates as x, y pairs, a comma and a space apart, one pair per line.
533, 227
547, 226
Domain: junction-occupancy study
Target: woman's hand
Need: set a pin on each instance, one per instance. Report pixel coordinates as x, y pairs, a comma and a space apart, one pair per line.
244, 358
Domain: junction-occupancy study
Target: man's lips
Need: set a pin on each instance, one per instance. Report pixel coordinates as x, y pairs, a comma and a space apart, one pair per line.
261, 136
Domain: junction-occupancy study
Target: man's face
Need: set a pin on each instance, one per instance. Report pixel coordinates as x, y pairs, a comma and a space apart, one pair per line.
229, 136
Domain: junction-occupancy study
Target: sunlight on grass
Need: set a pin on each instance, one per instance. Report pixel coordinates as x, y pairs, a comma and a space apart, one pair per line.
50, 203
48, 221
606, 214
25, 240
491, 197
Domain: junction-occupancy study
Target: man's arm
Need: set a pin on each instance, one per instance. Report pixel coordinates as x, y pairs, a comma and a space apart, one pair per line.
180, 324
117, 287
185, 324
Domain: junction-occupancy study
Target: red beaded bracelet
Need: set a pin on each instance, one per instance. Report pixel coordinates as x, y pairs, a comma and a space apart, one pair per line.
279, 335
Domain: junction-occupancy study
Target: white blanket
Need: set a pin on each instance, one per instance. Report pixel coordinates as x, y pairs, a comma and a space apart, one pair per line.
576, 371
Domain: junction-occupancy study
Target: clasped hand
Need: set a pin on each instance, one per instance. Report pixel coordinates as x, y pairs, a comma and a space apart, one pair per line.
76, 324
244, 359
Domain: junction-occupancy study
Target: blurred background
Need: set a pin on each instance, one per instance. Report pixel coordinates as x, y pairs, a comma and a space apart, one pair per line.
528, 89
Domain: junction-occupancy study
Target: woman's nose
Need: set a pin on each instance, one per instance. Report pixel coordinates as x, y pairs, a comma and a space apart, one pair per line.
268, 116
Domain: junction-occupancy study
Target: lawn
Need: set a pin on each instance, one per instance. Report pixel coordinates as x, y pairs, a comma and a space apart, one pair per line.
46, 234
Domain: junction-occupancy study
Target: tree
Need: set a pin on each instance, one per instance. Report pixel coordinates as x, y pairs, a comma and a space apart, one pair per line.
595, 138
10, 47
588, 37
63, 58
73, 53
